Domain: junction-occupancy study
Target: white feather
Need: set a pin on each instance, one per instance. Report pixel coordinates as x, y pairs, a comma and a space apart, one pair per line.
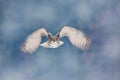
52, 44
76, 37
32, 42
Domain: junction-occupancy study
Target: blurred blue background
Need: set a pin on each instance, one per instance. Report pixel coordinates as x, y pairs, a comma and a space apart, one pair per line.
99, 19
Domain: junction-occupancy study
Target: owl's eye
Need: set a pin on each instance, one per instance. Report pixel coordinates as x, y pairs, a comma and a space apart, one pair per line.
57, 36
50, 38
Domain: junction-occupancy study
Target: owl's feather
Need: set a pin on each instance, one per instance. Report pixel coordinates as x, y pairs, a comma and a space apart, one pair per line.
76, 37
32, 42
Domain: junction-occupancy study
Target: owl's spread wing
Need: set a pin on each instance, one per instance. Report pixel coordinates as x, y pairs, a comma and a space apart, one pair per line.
32, 42
76, 37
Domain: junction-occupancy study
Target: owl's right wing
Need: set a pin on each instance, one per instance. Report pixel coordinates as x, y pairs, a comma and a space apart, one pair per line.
76, 37
32, 42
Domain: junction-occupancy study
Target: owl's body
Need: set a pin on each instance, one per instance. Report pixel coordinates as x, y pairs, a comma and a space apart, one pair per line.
76, 37
52, 44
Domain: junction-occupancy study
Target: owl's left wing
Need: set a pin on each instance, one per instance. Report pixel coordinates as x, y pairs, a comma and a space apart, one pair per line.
32, 42
76, 37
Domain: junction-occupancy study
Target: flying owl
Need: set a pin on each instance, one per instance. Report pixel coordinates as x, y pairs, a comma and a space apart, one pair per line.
76, 37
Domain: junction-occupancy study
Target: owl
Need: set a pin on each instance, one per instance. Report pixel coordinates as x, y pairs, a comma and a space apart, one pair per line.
76, 37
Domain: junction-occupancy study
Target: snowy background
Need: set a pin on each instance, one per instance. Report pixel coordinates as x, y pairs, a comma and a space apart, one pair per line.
99, 19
